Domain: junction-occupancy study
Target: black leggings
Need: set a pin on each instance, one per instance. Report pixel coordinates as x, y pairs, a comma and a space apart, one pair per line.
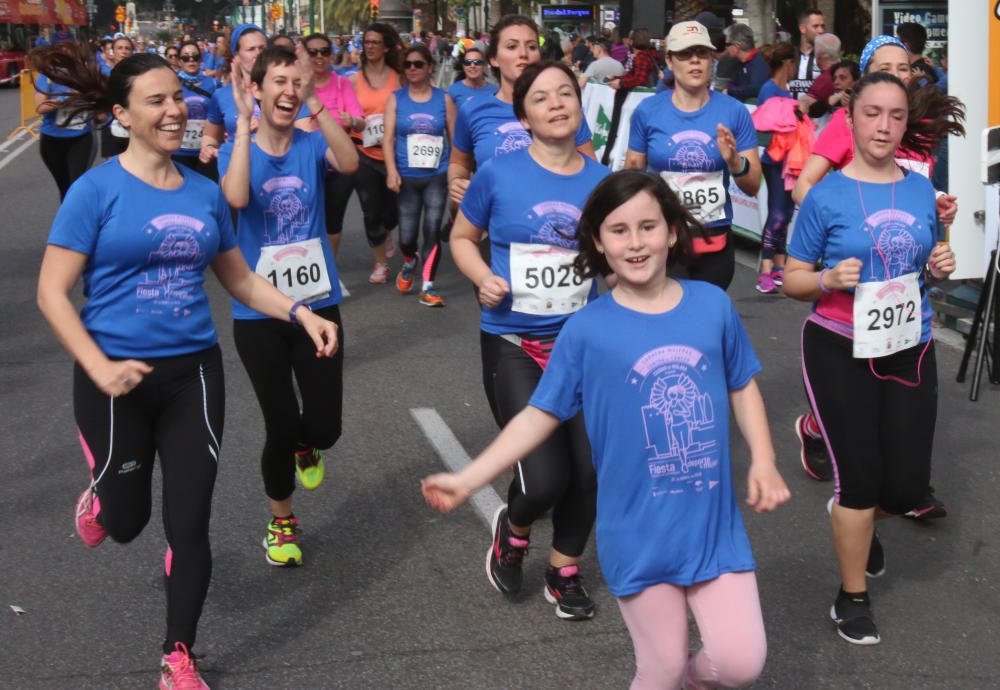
558, 474
336, 195
67, 158
209, 170
716, 268
879, 433
272, 351
378, 202
176, 413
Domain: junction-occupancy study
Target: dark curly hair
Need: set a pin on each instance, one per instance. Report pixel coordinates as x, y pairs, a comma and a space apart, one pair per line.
617, 189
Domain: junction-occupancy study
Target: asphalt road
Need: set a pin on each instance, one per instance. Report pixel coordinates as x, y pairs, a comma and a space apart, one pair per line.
393, 595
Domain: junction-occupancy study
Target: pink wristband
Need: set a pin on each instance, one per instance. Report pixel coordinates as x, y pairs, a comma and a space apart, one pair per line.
823, 288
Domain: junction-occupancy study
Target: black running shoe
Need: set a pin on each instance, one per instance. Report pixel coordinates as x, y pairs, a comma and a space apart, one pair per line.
929, 508
815, 459
854, 619
876, 558
564, 590
503, 562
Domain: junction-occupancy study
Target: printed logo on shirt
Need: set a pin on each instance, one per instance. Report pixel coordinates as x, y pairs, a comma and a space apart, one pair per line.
512, 136
197, 107
895, 250
556, 222
683, 454
286, 213
170, 283
692, 151
421, 123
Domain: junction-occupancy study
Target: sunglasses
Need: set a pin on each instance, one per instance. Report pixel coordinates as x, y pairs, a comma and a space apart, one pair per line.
316, 52
684, 55
190, 58
172, 56
474, 63
415, 64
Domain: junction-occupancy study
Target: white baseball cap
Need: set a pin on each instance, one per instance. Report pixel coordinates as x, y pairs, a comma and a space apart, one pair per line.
684, 35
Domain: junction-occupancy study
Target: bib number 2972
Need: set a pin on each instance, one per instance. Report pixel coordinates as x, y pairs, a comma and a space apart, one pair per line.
887, 316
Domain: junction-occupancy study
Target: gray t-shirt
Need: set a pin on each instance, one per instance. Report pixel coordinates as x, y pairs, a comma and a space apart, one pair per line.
604, 69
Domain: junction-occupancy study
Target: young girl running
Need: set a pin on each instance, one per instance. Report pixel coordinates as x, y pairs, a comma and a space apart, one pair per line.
148, 381
276, 181
530, 200
655, 366
867, 352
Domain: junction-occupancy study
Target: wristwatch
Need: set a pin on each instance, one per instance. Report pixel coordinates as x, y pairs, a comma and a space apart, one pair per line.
291, 313
744, 170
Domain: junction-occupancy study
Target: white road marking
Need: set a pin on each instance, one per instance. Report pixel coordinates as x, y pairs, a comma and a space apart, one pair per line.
343, 288
16, 152
454, 457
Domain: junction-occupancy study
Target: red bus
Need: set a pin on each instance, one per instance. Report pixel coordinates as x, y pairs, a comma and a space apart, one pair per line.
21, 22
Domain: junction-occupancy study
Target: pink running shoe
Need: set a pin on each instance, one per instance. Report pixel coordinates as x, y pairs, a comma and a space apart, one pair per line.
179, 671
87, 526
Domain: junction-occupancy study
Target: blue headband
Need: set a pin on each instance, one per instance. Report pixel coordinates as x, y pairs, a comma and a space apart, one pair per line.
234, 40
875, 44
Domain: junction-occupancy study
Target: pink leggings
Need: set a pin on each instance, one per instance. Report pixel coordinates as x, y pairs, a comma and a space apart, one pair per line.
727, 610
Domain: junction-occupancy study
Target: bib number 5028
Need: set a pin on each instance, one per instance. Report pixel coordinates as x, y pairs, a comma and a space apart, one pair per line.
551, 277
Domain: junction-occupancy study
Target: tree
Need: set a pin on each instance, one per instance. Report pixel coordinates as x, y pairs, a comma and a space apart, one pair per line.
685, 10
343, 15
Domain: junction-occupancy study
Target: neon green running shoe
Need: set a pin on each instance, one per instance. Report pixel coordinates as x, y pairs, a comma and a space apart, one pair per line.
281, 543
309, 468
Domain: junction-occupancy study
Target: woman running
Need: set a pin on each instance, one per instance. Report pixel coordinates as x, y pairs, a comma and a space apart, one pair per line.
833, 150
697, 139
419, 120
374, 83
487, 127
198, 90
783, 62
114, 137
655, 366
67, 138
336, 93
275, 179
472, 68
530, 200
173, 57
148, 378
867, 352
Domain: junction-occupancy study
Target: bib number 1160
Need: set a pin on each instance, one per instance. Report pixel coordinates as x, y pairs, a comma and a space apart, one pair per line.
302, 275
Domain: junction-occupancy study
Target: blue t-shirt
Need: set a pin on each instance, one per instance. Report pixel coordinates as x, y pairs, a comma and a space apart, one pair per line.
285, 206
770, 89
147, 250
682, 142
51, 121
198, 105
429, 118
522, 202
893, 238
460, 92
654, 389
486, 127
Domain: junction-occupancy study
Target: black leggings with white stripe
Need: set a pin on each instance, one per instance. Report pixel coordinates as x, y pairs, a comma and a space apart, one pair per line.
177, 414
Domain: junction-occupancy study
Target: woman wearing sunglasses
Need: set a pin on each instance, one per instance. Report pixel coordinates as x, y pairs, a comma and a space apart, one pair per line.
337, 94
472, 66
374, 83
419, 120
173, 57
198, 90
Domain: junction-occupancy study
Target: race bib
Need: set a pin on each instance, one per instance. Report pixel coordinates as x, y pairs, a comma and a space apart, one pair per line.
922, 167
192, 134
701, 193
117, 130
374, 127
424, 150
886, 316
543, 282
77, 123
298, 269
